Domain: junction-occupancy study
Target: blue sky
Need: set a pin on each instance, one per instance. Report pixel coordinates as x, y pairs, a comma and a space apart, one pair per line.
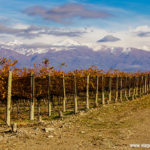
52, 23
124, 13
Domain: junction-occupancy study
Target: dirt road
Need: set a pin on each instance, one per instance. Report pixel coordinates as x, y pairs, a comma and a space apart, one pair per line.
113, 126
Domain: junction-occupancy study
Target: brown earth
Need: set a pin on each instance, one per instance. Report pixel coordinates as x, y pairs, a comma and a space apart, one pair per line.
113, 126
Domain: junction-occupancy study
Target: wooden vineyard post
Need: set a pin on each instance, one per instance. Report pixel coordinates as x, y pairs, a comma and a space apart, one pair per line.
149, 83
145, 84
116, 98
137, 86
32, 97
120, 89
140, 85
49, 98
8, 111
97, 84
110, 80
39, 109
134, 88
87, 93
125, 92
129, 87
133, 95
64, 92
103, 94
75, 96
143, 87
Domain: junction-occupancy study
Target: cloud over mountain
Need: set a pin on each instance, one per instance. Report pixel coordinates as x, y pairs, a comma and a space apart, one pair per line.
36, 31
142, 31
109, 38
65, 13
143, 34
51, 37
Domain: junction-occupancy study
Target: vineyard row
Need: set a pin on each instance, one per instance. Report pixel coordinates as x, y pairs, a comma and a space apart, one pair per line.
90, 91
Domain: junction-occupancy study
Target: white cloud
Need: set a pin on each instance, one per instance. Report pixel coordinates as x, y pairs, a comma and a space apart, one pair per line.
144, 28
85, 36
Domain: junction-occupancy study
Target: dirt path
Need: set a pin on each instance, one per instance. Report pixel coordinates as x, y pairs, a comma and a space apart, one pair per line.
113, 126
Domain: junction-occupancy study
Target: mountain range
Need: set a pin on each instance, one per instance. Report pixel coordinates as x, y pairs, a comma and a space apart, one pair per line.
78, 56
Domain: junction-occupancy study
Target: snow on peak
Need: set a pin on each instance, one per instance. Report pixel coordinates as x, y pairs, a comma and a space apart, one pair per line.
126, 50
14, 43
112, 49
67, 43
32, 51
146, 48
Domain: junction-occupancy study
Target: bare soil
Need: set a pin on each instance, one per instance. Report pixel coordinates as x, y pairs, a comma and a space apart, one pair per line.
113, 126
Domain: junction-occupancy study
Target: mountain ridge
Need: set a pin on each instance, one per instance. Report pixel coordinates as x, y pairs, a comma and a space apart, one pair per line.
83, 57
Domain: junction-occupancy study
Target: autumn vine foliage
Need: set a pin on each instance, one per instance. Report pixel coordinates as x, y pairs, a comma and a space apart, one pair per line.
6, 65
44, 70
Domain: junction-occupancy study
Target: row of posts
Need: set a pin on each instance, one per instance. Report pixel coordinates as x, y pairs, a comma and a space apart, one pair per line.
138, 90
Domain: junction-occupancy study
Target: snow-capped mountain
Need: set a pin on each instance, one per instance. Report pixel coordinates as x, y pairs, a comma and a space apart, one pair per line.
83, 57
27, 50
77, 55
67, 44
21, 48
